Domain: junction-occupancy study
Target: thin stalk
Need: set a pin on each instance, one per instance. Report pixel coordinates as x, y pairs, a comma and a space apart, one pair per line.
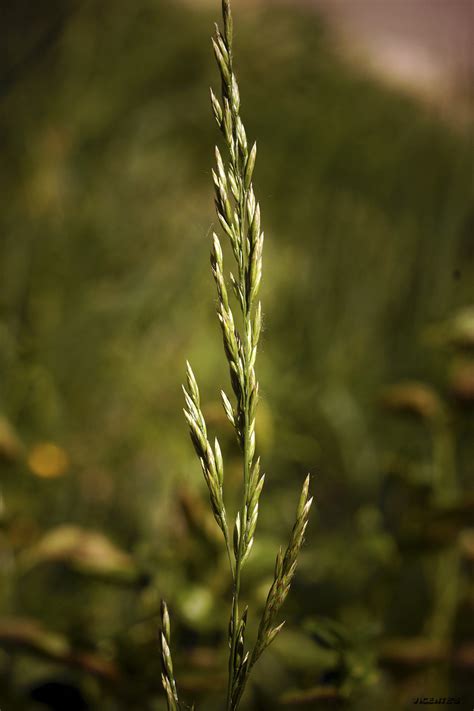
238, 568
245, 410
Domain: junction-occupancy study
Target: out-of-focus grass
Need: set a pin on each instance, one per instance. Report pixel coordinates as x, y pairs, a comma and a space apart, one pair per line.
106, 289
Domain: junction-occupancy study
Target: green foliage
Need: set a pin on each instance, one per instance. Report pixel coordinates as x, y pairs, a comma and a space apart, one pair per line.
367, 197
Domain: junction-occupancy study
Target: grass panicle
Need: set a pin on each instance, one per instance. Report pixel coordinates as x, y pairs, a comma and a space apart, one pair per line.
167, 675
238, 214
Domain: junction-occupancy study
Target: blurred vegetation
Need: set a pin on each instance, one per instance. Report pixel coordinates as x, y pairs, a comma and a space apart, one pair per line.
367, 364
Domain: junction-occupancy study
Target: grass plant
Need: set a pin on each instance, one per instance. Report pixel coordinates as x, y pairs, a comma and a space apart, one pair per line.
240, 316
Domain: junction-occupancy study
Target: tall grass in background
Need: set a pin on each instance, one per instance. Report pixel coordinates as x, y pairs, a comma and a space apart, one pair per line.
367, 195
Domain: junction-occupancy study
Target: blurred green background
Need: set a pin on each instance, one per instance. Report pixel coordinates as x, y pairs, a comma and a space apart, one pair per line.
366, 369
